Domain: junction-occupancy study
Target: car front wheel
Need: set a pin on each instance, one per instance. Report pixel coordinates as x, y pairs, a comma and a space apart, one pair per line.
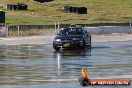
83, 44
55, 47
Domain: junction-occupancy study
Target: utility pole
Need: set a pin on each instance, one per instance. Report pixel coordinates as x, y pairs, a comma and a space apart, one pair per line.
130, 22
18, 31
58, 26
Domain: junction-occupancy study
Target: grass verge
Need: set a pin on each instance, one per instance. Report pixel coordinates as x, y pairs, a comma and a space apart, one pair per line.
99, 11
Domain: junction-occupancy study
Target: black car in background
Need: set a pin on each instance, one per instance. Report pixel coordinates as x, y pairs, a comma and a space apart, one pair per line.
72, 37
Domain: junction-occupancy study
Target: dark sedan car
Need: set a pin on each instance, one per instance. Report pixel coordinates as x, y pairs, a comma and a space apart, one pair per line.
72, 37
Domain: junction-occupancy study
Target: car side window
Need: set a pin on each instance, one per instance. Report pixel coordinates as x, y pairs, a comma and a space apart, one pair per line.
87, 33
64, 32
84, 32
60, 33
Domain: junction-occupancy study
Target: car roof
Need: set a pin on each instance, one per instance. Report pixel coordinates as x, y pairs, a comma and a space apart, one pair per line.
72, 27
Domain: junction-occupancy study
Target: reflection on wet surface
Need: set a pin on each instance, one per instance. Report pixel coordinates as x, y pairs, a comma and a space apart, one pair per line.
21, 63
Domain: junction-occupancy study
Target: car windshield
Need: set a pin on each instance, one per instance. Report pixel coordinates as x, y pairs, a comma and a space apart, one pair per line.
71, 31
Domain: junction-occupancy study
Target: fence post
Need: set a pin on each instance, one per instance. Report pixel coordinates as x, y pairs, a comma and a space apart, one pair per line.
55, 28
58, 26
130, 22
18, 30
7, 31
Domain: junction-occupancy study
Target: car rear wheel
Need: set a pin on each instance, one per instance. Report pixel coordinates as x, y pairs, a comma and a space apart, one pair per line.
83, 45
89, 45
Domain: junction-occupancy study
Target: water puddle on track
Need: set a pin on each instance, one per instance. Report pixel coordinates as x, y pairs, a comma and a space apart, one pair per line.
21, 64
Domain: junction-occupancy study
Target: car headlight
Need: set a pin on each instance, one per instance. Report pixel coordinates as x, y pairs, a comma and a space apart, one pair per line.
58, 40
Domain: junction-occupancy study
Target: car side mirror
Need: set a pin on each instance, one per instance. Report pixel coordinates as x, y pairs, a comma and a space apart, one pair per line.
57, 33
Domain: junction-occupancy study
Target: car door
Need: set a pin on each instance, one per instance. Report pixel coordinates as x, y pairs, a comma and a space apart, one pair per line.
85, 36
89, 38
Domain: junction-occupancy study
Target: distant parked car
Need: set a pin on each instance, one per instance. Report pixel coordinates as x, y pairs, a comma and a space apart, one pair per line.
76, 37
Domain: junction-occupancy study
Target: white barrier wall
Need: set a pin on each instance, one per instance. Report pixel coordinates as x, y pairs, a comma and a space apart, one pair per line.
109, 29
